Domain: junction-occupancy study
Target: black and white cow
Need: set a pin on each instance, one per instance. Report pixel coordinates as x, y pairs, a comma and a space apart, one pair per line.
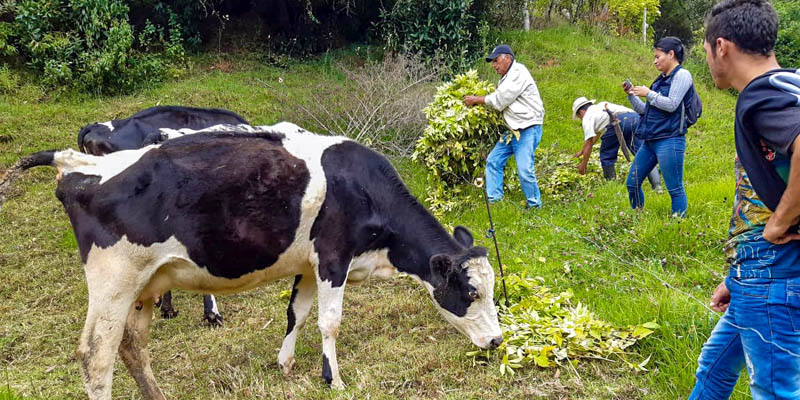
150, 126
146, 127
226, 212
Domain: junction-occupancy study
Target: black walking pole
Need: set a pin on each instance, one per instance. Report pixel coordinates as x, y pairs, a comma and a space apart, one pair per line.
479, 183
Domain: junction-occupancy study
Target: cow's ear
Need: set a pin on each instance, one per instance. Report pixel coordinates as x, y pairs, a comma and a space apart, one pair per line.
463, 236
441, 264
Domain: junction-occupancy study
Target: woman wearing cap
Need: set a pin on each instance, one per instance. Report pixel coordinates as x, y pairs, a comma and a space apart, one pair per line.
661, 126
594, 120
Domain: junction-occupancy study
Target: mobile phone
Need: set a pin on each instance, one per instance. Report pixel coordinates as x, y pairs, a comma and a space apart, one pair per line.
628, 84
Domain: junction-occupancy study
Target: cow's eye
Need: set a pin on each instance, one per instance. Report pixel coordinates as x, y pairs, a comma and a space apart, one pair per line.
473, 294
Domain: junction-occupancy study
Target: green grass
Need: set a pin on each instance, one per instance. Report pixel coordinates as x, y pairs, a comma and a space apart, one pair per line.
392, 343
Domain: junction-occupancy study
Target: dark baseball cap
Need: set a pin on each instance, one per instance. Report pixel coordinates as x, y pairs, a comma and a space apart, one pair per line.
500, 49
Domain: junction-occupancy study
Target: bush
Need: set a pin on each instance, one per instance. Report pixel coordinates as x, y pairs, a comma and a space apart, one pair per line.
450, 31
379, 105
91, 46
458, 138
787, 48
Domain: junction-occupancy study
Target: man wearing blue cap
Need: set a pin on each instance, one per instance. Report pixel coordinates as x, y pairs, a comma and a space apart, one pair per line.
517, 97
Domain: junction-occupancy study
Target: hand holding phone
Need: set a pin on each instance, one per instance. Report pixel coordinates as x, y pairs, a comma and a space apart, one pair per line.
627, 85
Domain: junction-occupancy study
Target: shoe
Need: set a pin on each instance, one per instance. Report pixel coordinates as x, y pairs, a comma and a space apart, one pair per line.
609, 172
658, 189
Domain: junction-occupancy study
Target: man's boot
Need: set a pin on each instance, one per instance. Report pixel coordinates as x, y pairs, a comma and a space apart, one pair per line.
609, 173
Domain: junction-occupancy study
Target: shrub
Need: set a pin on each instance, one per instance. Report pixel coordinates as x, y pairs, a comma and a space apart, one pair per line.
91, 46
787, 48
451, 31
457, 139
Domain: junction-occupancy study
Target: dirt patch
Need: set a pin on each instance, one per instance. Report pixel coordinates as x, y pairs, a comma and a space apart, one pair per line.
222, 66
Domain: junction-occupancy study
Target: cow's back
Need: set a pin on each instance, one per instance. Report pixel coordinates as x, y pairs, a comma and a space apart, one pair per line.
233, 202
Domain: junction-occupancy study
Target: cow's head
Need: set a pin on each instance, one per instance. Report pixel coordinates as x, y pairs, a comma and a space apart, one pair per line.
95, 139
463, 291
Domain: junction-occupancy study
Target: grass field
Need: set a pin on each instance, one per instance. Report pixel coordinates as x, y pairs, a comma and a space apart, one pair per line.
628, 267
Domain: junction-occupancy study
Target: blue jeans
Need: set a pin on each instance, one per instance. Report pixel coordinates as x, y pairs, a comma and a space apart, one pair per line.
770, 307
523, 151
668, 153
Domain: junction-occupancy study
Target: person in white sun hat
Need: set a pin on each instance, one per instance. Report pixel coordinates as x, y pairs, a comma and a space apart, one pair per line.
596, 123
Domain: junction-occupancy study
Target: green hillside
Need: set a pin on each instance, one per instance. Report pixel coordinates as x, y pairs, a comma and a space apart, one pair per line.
628, 267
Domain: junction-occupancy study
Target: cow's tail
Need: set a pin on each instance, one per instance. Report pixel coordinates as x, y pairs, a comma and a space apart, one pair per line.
8, 176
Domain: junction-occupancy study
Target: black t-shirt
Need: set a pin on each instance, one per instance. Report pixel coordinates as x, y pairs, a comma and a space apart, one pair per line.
767, 123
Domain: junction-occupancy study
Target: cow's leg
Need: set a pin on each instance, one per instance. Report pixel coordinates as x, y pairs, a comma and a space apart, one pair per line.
133, 349
299, 307
167, 311
330, 294
211, 311
111, 295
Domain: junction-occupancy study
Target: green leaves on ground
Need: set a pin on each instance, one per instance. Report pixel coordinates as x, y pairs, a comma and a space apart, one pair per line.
542, 328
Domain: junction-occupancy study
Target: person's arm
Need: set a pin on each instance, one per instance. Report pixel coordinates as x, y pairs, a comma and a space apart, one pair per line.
677, 91
586, 151
637, 103
787, 214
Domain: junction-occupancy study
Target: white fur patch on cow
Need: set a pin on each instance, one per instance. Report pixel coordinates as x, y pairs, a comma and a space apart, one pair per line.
106, 167
372, 263
107, 124
480, 322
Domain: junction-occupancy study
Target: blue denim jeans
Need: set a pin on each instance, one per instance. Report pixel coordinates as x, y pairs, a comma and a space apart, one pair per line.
770, 307
667, 153
523, 151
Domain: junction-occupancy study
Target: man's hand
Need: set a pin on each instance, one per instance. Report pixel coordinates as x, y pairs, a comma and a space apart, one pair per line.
640, 91
472, 100
721, 298
578, 154
582, 168
777, 232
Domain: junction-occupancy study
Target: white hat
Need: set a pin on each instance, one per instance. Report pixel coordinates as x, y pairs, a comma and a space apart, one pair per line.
578, 103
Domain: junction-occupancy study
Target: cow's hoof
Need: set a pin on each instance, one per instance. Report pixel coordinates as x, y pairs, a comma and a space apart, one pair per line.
213, 320
337, 385
168, 314
287, 365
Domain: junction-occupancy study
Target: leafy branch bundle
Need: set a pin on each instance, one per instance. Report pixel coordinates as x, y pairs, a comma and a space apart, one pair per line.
457, 138
545, 329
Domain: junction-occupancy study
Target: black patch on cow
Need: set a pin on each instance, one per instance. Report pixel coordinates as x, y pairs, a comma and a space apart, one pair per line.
290, 317
327, 375
143, 128
232, 199
453, 288
367, 207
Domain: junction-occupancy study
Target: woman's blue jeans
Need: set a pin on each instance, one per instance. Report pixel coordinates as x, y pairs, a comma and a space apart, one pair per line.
523, 151
766, 315
668, 154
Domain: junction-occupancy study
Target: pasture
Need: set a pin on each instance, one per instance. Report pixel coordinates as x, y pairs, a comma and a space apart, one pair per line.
628, 267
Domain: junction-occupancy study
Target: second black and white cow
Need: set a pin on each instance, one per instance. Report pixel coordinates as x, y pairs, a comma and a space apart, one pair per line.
146, 127
150, 126
226, 212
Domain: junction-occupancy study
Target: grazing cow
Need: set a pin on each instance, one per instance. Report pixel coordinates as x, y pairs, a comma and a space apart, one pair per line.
150, 126
144, 128
225, 212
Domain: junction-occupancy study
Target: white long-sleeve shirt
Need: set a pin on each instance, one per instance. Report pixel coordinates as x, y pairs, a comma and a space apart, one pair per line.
517, 96
596, 118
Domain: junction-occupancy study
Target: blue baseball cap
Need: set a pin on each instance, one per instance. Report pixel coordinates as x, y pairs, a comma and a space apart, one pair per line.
500, 49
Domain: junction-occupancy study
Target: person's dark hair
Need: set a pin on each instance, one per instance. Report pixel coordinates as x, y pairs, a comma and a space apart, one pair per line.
583, 108
750, 24
671, 43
